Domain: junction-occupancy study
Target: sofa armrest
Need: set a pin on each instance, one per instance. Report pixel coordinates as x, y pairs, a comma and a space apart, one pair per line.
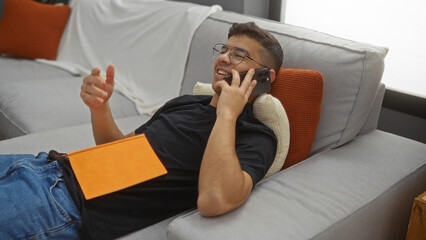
364, 182
373, 116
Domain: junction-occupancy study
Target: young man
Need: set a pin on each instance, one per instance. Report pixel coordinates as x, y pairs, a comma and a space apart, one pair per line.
213, 148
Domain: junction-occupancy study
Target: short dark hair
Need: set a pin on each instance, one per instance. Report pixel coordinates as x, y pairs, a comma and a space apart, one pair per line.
272, 56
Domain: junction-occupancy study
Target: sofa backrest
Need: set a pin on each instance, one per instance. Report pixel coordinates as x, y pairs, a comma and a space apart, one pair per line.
352, 71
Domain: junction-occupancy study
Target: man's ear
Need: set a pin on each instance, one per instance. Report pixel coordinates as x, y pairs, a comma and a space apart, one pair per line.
273, 74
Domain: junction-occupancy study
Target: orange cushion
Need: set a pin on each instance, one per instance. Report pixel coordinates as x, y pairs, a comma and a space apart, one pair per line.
31, 29
300, 92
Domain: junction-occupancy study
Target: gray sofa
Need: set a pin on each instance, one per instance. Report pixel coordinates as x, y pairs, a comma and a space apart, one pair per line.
358, 183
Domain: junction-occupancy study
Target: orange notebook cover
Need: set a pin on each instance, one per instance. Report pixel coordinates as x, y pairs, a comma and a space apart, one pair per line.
114, 166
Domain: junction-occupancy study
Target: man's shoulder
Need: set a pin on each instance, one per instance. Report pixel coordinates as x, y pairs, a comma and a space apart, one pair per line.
250, 124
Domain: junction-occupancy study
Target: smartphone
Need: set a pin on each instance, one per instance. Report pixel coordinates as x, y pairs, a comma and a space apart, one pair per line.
263, 78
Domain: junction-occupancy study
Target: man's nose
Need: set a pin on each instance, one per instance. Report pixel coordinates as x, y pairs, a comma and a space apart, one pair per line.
225, 57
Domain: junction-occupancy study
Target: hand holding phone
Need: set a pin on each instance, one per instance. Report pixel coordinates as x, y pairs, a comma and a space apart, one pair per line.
263, 78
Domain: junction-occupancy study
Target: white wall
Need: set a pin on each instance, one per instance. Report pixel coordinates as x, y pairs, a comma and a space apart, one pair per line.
398, 25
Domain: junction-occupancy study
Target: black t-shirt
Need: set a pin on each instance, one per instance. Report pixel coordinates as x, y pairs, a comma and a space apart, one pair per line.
178, 134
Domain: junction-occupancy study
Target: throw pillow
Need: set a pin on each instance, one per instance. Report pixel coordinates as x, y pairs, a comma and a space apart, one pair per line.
32, 30
270, 112
300, 92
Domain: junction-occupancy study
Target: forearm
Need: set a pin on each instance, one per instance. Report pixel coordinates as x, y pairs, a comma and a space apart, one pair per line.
103, 125
222, 184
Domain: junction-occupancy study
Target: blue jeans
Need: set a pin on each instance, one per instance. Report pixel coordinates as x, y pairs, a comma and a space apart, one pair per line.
34, 201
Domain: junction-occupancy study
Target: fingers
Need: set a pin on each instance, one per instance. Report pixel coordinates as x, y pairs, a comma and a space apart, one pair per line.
90, 100
235, 78
95, 80
251, 87
96, 71
95, 90
248, 78
246, 85
249, 83
236, 81
220, 85
92, 89
93, 96
110, 72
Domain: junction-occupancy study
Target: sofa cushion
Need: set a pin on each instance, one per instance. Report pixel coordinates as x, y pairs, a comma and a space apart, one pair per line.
13, 69
44, 104
32, 30
352, 71
66, 139
300, 92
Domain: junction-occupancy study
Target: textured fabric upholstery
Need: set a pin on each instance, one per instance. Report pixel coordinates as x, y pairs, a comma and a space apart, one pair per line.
32, 30
300, 92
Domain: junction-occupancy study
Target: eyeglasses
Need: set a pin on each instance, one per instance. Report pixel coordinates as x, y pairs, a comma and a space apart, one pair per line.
236, 54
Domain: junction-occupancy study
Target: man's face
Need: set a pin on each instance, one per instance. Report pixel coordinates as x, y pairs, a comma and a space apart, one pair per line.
223, 65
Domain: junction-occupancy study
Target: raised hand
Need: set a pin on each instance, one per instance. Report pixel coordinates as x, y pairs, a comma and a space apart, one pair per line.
234, 97
95, 90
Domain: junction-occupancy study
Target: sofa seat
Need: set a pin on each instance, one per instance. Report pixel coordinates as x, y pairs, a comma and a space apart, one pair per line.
368, 178
48, 100
67, 139
333, 195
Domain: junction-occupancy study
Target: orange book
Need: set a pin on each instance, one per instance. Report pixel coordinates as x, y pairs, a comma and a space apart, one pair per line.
114, 166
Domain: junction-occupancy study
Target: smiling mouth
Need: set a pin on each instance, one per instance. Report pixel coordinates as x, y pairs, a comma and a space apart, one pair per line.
223, 73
